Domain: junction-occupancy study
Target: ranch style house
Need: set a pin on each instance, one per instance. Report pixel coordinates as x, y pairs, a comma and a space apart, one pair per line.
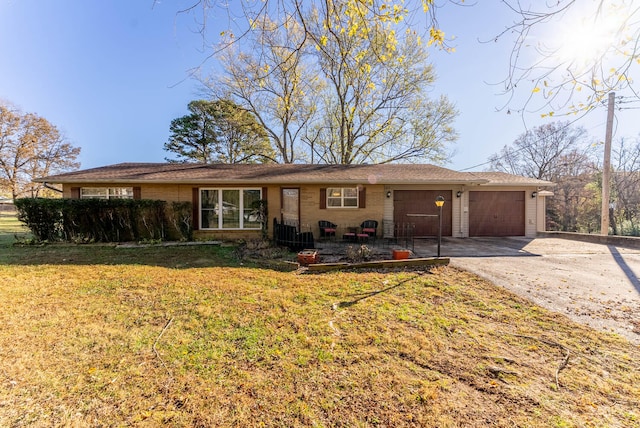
392, 196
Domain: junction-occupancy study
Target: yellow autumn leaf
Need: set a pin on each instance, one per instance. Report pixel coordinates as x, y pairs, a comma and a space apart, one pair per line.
323, 40
436, 36
535, 90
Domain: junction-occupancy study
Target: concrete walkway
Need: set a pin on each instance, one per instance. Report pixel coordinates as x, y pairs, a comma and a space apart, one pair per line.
594, 284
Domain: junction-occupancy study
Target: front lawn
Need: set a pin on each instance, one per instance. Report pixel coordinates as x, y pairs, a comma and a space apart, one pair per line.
10, 228
185, 336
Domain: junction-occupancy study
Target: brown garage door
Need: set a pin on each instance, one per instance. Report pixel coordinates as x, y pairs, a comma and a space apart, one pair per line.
418, 207
496, 213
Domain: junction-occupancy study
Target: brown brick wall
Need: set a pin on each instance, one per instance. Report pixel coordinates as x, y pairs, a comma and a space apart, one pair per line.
310, 212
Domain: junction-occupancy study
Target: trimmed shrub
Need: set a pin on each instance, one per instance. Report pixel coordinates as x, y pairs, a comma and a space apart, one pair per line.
179, 219
102, 220
42, 216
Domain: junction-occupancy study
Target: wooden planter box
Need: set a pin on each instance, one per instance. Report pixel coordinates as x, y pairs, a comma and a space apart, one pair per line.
401, 254
308, 257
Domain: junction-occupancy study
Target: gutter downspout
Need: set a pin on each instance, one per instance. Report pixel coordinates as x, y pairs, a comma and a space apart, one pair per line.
50, 187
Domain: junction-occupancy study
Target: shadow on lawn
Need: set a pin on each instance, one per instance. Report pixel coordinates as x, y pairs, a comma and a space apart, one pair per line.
364, 296
98, 254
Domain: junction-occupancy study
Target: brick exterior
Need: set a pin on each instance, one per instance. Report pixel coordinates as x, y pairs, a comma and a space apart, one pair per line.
176, 182
311, 213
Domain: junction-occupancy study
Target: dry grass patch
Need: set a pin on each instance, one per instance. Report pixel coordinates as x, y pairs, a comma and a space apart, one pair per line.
98, 336
116, 345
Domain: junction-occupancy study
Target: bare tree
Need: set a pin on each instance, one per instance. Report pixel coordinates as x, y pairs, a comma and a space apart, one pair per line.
538, 153
270, 79
335, 84
31, 147
563, 72
626, 187
570, 54
375, 108
574, 176
241, 17
556, 152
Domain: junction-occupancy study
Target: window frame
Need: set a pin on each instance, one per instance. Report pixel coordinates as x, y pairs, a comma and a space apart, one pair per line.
342, 198
220, 203
110, 193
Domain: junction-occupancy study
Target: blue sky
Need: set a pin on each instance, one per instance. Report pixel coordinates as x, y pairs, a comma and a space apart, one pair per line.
111, 75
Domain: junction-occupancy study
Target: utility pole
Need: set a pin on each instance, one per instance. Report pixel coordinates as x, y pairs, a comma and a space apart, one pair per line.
606, 168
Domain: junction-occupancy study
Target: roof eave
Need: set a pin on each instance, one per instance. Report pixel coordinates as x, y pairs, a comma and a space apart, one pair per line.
520, 184
253, 181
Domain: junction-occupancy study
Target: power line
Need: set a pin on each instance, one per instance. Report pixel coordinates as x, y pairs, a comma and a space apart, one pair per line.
562, 128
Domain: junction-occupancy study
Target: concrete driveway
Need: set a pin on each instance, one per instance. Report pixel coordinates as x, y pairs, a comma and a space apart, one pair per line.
594, 284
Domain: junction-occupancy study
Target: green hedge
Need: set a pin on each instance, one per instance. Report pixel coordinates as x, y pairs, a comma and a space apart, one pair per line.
105, 220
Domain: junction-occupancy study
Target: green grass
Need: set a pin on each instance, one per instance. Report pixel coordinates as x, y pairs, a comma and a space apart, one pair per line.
10, 227
14, 251
185, 336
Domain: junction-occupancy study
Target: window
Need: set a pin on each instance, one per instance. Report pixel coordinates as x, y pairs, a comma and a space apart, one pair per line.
342, 197
106, 192
230, 208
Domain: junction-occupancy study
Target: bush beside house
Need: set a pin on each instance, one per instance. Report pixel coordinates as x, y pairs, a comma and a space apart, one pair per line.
99, 220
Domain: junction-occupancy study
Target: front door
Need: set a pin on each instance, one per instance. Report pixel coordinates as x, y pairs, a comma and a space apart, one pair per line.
290, 206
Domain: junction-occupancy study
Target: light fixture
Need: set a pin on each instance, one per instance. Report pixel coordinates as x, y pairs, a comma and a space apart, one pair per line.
439, 204
388, 193
458, 193
534, 194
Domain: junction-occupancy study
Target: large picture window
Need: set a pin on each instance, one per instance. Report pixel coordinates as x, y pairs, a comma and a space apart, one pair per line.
106, 193
230, 208
342, 197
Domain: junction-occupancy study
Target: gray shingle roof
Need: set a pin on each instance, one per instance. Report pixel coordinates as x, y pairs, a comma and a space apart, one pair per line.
504, 179
134, 173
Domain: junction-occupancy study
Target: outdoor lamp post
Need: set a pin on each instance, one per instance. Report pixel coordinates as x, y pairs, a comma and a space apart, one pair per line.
439, 204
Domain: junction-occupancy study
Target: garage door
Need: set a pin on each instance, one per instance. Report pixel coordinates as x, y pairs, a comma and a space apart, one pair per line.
496, 213
418, 207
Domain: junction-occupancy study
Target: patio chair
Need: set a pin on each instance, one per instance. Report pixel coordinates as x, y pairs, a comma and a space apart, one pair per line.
327, 229
370, 227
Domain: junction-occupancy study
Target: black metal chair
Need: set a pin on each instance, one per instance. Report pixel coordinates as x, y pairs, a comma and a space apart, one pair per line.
327, 229
370, 227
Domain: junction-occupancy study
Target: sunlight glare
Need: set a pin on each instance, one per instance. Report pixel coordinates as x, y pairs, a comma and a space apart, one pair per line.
584, 40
